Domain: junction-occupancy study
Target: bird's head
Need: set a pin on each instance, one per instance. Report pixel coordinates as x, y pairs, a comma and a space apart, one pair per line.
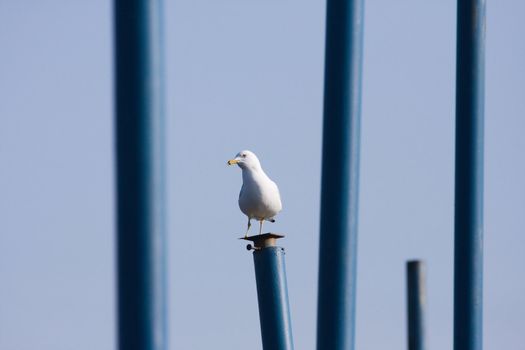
245, 160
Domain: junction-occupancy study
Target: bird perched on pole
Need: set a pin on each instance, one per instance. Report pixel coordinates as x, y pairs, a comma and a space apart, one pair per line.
259, 197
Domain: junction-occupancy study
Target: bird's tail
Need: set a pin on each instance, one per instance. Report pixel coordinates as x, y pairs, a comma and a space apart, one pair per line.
270, 219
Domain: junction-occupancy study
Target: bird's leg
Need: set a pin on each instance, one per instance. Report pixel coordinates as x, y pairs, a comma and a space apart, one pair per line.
260, 226
249, 225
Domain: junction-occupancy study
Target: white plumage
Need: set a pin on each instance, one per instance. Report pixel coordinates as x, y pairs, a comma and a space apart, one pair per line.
259, 197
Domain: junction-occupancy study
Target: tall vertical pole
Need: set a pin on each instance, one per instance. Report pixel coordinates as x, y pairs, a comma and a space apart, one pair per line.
272, 292
140, 175
416, 304
468, 222
340, 175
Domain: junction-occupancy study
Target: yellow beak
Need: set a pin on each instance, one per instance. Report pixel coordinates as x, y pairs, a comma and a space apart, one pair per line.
232, 161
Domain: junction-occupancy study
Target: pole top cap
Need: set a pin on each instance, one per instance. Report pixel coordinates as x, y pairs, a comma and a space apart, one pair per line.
264, 240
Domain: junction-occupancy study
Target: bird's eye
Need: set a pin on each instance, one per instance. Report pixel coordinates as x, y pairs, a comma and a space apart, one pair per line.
244, 155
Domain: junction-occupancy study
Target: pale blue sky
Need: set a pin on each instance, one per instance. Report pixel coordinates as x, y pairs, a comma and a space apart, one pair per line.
249, 74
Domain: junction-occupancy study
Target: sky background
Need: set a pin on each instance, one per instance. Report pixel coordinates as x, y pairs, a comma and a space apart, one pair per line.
249, 75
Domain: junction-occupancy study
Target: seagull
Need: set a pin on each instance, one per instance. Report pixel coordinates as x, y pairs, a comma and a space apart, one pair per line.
259, 197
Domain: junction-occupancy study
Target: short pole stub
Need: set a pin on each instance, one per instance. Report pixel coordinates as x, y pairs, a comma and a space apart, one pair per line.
272, 291
416, 304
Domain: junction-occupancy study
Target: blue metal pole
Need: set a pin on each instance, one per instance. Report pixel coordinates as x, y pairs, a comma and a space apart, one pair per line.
340, 175
468, 222
140, 175
416, 303
272, 293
